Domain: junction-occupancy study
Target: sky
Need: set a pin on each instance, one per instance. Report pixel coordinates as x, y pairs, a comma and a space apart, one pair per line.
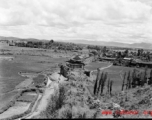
126, 21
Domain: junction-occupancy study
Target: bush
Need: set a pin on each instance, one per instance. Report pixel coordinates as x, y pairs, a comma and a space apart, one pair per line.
65, 112
56, 102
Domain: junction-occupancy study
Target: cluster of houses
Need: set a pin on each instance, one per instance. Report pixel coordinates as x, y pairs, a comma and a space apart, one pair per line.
128, 62
131, 60
76, 62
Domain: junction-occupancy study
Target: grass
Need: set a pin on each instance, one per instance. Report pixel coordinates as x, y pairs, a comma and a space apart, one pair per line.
26, 98
65, 112
30, 60
95, 65
56, 102
114, 74
6, 100
90, 88
39, 80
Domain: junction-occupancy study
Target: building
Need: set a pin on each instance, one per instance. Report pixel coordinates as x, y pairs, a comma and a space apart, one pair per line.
107, 59
76, 62
142, 64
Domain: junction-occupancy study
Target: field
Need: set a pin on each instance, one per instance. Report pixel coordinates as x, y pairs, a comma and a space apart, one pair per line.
18, 108
6, 98
39, 80
115, 73
25, 60
95, 65
27, 97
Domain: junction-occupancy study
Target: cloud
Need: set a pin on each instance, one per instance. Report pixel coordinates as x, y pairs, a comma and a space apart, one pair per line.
107, 20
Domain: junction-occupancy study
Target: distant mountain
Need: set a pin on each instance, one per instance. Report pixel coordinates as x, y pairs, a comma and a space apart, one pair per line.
18, 39
8, 38
89, 42
142, 45
114, 44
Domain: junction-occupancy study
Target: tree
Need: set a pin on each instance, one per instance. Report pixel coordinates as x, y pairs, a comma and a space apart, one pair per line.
96, 82
126, 53
100, 82
95, 53
123, 83
128, 84
148, 56
103, 82
142, 79
150, 78
104, 50
111, 83
134, 78
51, 41
108, 86
129, 79
138, 53
145, 75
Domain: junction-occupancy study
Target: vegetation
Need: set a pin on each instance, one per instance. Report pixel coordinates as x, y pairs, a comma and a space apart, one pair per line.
40, 80
123, 84
100, 83
57, 101
136, 78
49, 45
26, 98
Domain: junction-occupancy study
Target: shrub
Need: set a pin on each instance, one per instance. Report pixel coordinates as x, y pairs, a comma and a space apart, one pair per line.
65, 112
56, 102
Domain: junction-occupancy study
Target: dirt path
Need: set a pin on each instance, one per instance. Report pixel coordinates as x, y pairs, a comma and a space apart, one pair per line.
102, 68
105, 67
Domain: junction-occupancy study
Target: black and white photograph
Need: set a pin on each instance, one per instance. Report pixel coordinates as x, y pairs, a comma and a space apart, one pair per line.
68, 59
